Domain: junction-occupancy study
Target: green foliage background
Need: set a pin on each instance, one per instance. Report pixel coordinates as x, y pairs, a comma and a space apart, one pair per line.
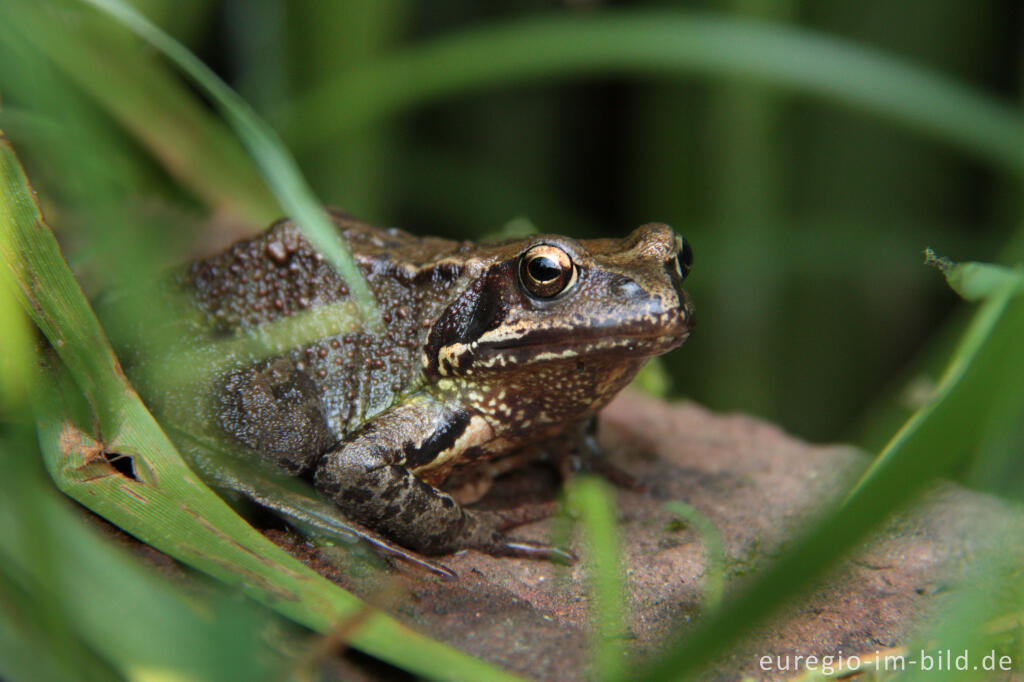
808, 150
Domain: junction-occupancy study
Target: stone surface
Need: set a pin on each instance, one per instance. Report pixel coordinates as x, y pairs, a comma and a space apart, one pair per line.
759, 487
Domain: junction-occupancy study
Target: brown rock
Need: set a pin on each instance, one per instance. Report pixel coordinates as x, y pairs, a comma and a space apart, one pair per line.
758, 485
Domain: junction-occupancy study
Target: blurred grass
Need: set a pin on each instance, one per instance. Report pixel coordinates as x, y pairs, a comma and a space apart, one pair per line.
926, 448
273, 159
713, 589
163, 503
592, 501
807, 221
664, 43
754, 249
144, 97
985, 365
84, 604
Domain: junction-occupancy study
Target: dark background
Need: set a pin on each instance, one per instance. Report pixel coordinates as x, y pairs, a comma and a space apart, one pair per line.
808, 219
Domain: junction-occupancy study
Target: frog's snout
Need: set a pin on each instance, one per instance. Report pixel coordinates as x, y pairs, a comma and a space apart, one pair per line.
686, 308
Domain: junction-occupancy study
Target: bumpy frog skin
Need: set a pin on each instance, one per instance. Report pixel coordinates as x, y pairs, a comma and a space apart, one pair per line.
485, 349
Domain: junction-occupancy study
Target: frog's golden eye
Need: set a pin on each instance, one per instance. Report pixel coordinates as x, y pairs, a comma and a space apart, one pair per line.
546, 271
684, 257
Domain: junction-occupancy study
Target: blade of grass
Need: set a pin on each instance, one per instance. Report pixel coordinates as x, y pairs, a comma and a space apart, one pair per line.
165, 504
914, 459
714, 553
145, 98
999, 286
982, 620
323, 39
275, 163
32, 646
49, 293
128, 622
15, 343
975, 281
659, 43
591, 499
82, 588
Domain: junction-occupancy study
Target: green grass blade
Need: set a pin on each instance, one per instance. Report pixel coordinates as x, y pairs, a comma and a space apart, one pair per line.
658, 43
78, 587
51, 295
714, 552
1000, 286
975, 281
592, 500
923, 450
153, 105
166, 505
270, 154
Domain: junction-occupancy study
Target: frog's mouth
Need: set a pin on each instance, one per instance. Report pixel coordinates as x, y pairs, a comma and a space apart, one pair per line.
639, 340
524, 342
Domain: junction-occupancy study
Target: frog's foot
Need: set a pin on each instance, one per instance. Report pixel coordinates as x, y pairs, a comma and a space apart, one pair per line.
585, 455
386, 548
486, 534
529, 549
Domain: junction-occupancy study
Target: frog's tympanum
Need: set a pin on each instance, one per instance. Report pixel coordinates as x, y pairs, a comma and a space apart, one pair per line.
484, 350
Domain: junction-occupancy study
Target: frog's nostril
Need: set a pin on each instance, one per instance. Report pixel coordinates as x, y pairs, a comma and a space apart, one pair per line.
624, 288
686, 306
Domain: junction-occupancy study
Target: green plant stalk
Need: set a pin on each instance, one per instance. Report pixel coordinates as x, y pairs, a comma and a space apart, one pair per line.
166, 505
714, 552
659, 43
275, 163
323, 39
591, 499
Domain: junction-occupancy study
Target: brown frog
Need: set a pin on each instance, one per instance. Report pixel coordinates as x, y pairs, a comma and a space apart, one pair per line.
485, 349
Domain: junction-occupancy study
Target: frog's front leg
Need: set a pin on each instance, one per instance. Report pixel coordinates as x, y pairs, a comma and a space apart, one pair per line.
580, 452
370, 476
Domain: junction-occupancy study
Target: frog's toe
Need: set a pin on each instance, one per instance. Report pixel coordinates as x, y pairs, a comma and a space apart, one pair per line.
516, 547
487, 537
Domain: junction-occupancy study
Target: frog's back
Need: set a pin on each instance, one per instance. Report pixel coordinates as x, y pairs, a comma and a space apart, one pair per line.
278, 292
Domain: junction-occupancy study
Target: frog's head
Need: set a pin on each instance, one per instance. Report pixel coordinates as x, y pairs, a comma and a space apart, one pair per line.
552, 301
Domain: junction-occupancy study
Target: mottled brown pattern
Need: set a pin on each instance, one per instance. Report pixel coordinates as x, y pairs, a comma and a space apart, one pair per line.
485, 349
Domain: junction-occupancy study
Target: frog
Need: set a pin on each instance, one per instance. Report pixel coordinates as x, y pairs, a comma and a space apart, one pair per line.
484, 351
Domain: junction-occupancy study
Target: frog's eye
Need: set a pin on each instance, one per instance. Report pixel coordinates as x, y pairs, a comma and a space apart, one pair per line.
546, 271
684, 257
